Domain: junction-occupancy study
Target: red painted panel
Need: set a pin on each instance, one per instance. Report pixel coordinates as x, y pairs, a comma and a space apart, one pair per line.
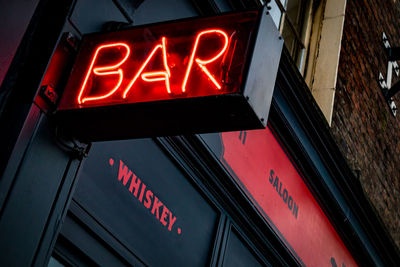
190, 58
272, 181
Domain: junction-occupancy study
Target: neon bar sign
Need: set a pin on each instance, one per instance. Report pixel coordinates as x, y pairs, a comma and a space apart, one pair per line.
170, 66
163, 75
198, 59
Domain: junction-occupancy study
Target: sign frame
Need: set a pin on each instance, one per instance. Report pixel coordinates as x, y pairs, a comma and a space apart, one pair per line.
246, 109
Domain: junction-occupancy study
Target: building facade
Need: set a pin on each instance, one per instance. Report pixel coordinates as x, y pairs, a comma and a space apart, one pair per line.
363, 125
317, 187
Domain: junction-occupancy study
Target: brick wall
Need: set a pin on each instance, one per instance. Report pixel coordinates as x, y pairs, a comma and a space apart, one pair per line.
364, 128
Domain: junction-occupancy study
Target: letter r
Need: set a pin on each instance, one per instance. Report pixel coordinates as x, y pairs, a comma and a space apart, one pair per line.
203, 62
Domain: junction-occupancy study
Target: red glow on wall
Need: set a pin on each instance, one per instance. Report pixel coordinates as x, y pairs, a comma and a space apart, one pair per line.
158, 62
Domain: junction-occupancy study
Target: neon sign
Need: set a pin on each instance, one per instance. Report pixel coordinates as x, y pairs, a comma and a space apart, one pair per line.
201, 63
176, 67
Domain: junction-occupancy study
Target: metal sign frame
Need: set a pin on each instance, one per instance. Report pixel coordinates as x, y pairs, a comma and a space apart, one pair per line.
245, 108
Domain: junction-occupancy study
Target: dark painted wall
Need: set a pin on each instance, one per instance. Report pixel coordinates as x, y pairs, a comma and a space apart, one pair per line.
14, 19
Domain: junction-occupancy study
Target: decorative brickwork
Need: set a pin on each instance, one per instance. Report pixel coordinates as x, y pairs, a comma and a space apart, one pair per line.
363, 126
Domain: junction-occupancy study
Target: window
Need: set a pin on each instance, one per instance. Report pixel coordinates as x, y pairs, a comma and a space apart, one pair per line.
292, 17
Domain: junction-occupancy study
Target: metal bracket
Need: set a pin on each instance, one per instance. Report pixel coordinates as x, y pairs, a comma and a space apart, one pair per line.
75, 148
49, 94
388, 90
57, 72
71, 40
393, 53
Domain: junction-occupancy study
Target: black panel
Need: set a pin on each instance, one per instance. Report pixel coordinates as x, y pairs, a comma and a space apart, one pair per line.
26, 71
237, 253
160, 118
15, 16
79, 247
84, 242
39, 192
155, 239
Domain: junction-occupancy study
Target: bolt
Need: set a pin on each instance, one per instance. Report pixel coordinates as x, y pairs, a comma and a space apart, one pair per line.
72, 40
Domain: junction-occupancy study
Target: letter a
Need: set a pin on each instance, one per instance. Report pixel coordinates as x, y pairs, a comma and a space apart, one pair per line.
153, 76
